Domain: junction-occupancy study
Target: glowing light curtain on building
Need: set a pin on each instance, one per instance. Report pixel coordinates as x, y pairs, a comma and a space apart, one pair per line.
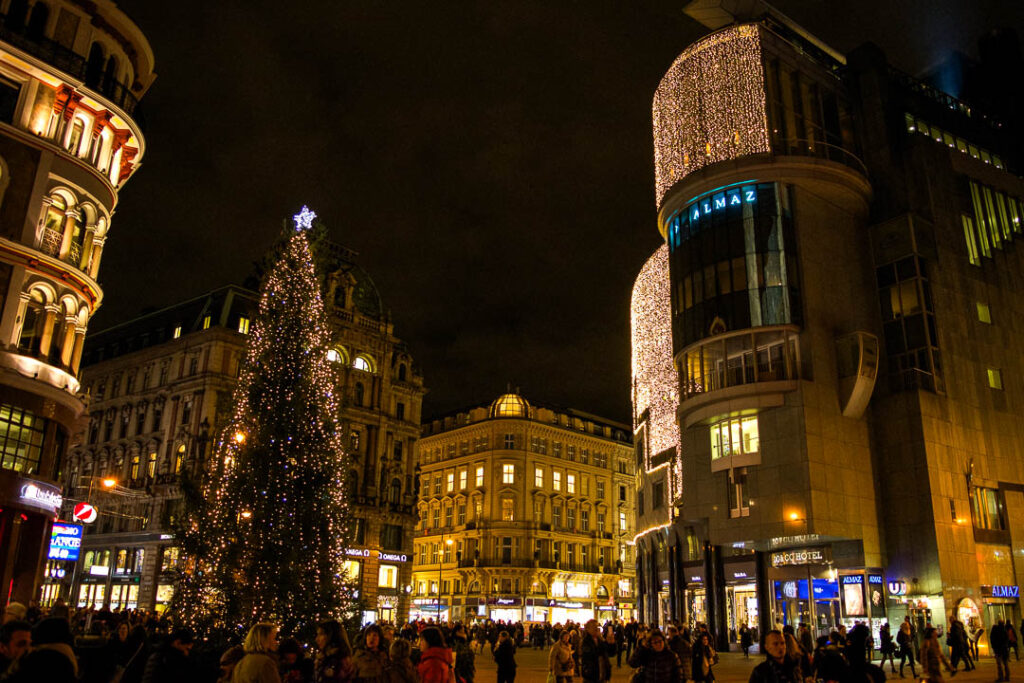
710, 106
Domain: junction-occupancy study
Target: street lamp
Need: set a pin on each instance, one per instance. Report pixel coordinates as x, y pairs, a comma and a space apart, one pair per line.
440, 563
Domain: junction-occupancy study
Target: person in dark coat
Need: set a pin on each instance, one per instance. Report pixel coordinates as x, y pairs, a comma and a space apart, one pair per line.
333, 663
593, 651
658, 662
170, 663
505, 657
776, 667
465, 660
1000, 644
702, 667
51, 658
746, 640
15, 639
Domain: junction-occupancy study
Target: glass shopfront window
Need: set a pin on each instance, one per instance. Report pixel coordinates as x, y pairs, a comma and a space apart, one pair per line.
21, 439
733, 262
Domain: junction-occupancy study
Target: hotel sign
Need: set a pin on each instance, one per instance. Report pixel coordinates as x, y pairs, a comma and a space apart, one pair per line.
801, 556
41, 495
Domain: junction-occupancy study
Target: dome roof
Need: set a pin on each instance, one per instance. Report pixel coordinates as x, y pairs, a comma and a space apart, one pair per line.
510, 405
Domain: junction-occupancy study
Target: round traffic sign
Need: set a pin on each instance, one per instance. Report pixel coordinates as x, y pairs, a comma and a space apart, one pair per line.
85, 513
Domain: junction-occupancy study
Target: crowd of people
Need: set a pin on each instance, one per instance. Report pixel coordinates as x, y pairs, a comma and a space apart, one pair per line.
63, 645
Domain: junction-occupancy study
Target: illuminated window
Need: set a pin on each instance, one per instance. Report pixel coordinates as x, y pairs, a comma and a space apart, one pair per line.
206, 322
508, 474
971, 238
995, 378
600, 490
362, 363
451, 482
738, 493
988, 509
21, 439
556, 480
352, 570
463, 479
480, 475
622, 522
735, 436
570, 483
984, 315
387, 577
538, 477
243, 325
333, 356
507, 509
177, 331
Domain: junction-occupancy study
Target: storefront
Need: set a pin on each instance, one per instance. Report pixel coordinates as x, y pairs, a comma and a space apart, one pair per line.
505, 609
695, 594
577, 611
537, 609
424, 609
27, 508
1001, 602
741, 596
804, 589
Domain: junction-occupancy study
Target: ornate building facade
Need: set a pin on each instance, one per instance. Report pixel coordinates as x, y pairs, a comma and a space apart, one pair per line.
525, 513
843, 272
71, 75
161, 388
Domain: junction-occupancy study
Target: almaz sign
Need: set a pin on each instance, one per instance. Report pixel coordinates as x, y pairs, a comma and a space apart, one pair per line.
1005, 591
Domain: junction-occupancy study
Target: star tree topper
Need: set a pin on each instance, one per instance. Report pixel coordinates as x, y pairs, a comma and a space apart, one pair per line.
303, 219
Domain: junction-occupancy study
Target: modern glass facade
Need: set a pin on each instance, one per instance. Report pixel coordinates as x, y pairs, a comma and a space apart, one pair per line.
733, 262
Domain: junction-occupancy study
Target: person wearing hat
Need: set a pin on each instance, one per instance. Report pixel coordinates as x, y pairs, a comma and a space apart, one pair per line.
15, 611
170, 663
51, 658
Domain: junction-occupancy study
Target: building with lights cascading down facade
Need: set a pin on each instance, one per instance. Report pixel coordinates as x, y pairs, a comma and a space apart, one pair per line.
525, 515
841, 243
161, 388
71, 75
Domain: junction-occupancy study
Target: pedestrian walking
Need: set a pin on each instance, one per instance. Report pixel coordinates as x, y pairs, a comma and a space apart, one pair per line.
1011, 635
745, 640
656, 661
505, 657
776, 667
465, 660
561, 665
333, 663
932, 659
704, 659
435, 664
1000, 644
258, 665
904, 640
888, 646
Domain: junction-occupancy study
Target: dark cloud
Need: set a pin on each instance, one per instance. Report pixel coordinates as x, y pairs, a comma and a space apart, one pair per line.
491, 163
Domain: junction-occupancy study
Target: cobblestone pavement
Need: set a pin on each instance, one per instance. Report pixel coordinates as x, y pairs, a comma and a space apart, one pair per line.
732, 668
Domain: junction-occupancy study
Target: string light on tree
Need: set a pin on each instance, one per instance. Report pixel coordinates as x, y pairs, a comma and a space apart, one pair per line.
265, 536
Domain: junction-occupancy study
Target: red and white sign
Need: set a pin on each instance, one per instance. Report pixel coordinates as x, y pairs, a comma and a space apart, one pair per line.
85, 513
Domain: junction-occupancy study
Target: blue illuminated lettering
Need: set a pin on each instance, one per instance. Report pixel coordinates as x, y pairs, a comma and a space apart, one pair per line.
720, 203
707, 208
749, 195
696, 214
735, 199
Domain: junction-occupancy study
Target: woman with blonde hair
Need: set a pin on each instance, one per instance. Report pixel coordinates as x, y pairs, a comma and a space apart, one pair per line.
258, 665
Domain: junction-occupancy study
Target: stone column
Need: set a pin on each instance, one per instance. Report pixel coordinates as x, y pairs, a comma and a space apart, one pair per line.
47, 337
76, 354
69, 229
68, 343
19, 321
90, 235
97, 251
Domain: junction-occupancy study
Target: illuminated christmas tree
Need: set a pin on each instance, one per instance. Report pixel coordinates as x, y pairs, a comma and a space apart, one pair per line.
265, 537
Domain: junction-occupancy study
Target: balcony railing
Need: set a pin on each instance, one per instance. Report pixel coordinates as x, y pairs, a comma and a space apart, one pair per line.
50, 244
68, 61
750, 356
799, 147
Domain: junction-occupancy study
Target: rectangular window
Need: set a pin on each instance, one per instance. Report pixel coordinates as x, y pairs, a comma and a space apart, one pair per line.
177, 333
585, 456
657, 495
570, 452
538, 477
979, 220
584, 520
507, 509
437, 484
21, 439
450, 482
436, 518
508, 474
570, 513
984, 315
988, 509
971, 238
391, 536
556, 516
600, 522
448, 510
600, 489
479, 475
734, 436
206, 322
738, 494
243, 325
463, 479
399, 411
995, 378
622, 522
570, 483
510, 441
387, 577
462, 514
622, 494
556, 480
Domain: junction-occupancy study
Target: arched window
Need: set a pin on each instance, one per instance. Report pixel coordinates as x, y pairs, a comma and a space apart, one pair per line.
37, 21
358, 394
94, 67
363, 362
333, 356
75, 139
32, 327
602, 591
395, 494
110, 75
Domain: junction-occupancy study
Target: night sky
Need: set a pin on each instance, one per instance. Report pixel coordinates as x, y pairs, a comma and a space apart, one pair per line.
491, 163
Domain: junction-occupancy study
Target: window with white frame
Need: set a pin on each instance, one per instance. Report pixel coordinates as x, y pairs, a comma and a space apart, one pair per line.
508, 474
570, 483
734, 436
538, 477
479, 475
556, 480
